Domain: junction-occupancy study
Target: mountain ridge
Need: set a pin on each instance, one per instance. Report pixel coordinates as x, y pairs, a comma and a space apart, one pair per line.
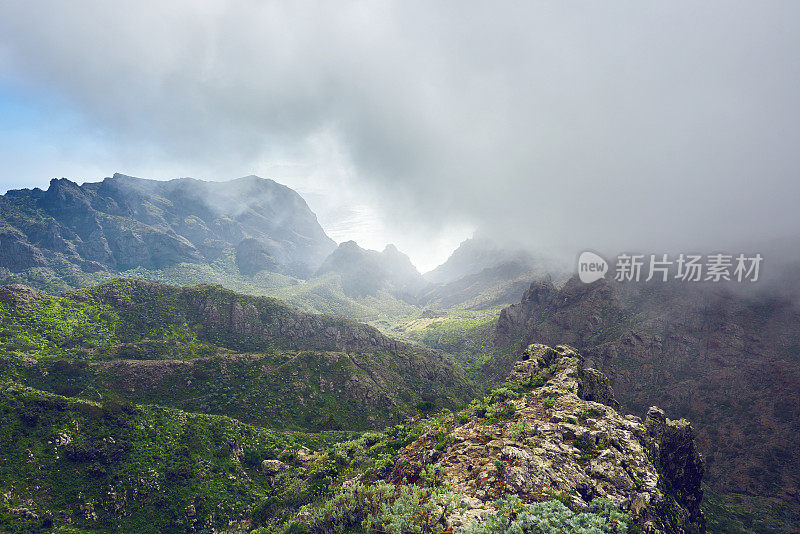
124, 222
205, 348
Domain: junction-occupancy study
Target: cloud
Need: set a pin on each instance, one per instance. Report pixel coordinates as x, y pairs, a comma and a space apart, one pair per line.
563, 126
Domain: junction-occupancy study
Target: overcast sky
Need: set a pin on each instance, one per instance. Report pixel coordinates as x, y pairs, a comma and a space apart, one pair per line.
562, 125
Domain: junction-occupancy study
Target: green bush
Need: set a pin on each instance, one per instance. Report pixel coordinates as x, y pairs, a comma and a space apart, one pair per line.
425, 406
500, 411
381, 508
503, 394
518, 430
552, 517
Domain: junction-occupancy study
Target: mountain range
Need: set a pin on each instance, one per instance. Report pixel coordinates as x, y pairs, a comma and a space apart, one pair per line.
258, 236
229, 300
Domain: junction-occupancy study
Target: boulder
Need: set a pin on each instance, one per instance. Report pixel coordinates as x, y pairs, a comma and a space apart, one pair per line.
273, 467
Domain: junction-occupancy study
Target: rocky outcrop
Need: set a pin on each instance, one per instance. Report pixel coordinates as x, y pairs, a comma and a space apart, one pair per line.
555, 443
273, 467
726, 360
18, 295
590, 384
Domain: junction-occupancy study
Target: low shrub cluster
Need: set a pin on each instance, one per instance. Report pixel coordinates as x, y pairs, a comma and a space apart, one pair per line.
379, 508
553, 517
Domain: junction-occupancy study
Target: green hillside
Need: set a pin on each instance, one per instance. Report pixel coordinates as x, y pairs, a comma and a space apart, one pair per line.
211, 350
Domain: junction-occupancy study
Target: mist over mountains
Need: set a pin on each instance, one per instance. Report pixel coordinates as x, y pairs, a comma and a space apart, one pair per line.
125, 222
83, 233
458, 329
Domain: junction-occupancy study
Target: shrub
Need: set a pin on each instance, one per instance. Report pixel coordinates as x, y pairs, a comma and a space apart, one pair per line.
500, 465
443, 439
425, 406
586, 445
380, 508
552, 517
589, 413
413, 511
518, 430
500, 411
503, 394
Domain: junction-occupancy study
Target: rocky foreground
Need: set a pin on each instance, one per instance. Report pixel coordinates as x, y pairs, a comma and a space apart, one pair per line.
564, 440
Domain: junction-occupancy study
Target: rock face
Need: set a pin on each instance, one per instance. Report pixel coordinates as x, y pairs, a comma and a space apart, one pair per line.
125, 222
252, 256
725, 360
558, 444
18, 295
273, 467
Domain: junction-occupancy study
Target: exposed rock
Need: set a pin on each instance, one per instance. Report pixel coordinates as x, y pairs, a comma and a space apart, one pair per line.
252, 256
559, 445
595, 386
726, 360
273, 467
303, 454
18, 295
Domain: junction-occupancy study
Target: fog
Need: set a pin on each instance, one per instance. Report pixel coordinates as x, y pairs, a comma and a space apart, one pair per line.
561, 126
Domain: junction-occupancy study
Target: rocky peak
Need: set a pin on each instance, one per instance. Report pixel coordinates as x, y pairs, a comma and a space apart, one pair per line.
554, 432
65, 195
125, 222
476, 254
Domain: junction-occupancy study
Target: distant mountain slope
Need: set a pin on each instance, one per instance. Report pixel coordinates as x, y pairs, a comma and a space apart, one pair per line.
726, 361
124, 222
208, 349
366, 272
475, 255
491, 287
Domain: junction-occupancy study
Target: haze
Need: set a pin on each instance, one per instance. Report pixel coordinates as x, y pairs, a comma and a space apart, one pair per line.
559, 126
